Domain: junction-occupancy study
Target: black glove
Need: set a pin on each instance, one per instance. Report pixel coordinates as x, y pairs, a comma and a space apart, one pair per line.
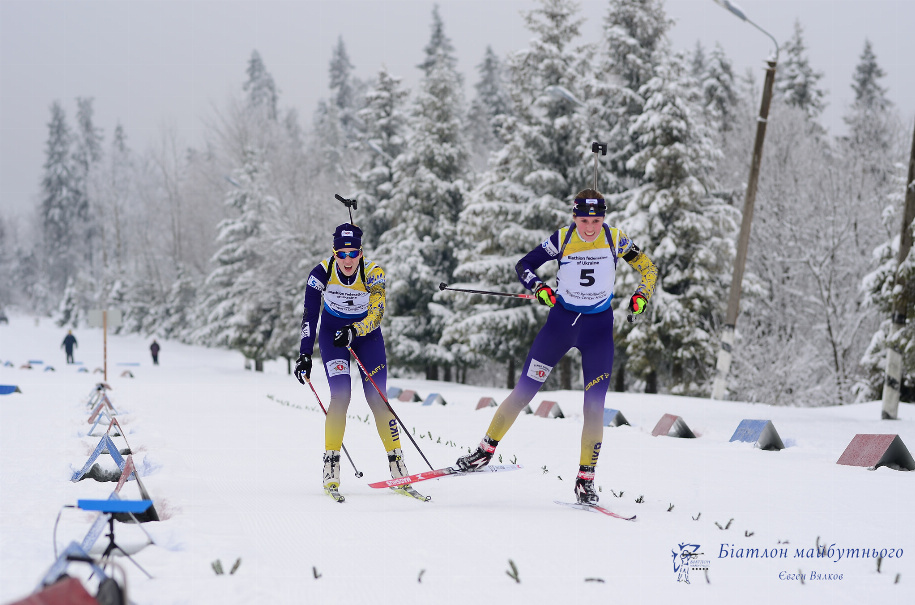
344, 338
303, 366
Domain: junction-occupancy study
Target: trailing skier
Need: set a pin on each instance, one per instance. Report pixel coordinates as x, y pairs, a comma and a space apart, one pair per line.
580, 316
352, 289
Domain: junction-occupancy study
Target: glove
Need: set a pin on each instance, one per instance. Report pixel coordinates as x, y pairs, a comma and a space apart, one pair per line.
344, 338
303, 366
637, 303
545, 295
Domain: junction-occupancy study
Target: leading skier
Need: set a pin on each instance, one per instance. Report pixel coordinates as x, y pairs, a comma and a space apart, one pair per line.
580, 316
353, 305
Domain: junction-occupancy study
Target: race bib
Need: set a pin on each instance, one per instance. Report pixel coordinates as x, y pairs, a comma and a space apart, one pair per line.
538, 371
335, 367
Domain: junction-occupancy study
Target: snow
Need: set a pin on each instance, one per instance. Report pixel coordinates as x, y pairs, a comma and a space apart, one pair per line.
232, 460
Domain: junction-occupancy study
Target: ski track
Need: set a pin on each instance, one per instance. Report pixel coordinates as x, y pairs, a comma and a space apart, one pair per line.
232, 460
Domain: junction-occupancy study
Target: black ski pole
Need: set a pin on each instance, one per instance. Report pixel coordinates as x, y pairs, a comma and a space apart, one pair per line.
350, 205
358, 474
385, 399
444, 286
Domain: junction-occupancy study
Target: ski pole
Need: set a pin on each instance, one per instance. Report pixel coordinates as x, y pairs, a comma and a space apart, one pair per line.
385, 399
444, 286
358, 474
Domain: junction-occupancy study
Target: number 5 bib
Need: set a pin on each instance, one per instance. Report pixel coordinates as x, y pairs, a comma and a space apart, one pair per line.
587, 271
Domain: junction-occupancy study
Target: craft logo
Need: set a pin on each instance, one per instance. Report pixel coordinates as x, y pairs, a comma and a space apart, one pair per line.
539, 371
335, 367
686, 559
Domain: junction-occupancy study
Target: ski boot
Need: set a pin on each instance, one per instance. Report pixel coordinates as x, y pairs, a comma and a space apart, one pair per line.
398, 470
332, 475
584, 486
479, 457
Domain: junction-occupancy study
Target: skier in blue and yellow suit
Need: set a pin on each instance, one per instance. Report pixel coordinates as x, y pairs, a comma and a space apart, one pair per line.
580, 316
352, 288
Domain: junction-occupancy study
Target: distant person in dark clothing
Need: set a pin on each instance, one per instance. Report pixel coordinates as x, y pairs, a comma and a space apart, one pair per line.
154, 349
68, 345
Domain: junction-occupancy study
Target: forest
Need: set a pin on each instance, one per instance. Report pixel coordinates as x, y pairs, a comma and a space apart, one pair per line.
211, 243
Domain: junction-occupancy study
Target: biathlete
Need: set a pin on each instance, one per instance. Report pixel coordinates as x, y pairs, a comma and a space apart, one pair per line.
352, 289
580, 316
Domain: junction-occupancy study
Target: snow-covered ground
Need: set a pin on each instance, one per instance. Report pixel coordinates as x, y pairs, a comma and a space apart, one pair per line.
232, 460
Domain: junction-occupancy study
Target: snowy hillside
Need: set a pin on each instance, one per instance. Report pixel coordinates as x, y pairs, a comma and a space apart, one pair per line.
232, 460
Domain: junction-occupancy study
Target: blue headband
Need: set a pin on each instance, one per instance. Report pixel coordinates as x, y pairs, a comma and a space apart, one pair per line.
589, 207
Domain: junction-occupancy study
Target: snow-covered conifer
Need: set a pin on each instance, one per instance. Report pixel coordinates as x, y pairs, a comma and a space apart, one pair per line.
526, 193
683, 229
490, 102
796, 80
385, 140
440, 47
718, 89
261, 89
418, 251
58, 202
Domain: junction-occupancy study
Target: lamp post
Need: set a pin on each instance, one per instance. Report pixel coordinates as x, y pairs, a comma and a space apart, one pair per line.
719, 387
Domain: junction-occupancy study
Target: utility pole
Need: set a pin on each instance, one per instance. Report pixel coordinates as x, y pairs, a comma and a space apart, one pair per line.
719, 387
892, 383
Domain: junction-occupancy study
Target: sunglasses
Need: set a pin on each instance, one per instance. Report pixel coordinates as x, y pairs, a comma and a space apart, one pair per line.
351, 254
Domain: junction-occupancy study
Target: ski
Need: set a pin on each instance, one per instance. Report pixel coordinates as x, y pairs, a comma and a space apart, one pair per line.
407, 490
444, 472
595, 508
333, 493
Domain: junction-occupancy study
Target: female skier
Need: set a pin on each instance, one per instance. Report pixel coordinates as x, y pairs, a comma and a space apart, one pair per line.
353, 305
588, 252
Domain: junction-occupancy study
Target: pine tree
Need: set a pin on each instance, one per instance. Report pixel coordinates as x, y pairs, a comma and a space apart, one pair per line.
262, 93
698, 61
683, 229
633, 42
718, 89
87, 157
59, 202
439, 47
869, 119
491, 102
526, 193
385, 140
340, 85
418, 251
796, 81
880, 285
178, 306
236, 288
119, 193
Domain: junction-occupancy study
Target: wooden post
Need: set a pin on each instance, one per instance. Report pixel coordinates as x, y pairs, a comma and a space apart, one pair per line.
892, 382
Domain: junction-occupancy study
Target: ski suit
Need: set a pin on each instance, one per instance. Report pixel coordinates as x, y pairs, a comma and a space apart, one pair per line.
582, 318
357, 300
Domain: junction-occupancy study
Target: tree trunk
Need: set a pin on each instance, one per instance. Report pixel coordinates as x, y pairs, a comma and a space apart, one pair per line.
565, 373
510, 376
258, 365
619, 385
651, 382
447, 374
431, 372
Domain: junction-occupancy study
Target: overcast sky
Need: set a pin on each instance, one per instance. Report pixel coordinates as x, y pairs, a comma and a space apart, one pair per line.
156, 63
